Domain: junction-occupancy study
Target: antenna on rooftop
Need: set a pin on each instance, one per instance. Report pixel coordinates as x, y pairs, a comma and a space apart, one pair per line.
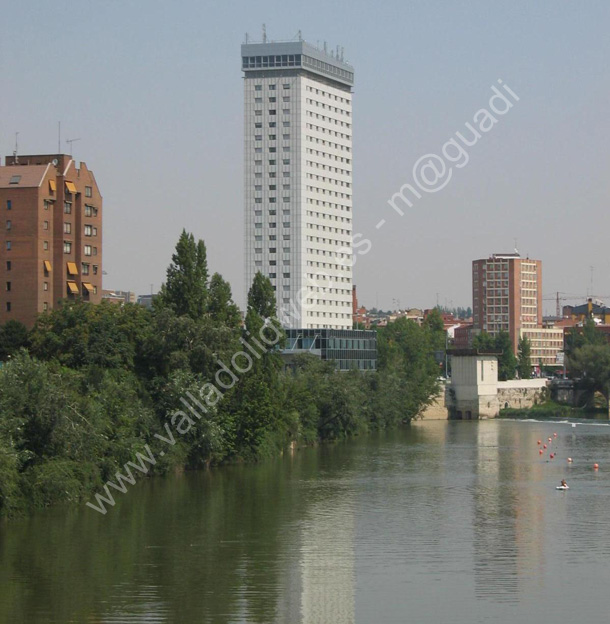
264, 33
69, 142
342, 50
325, 50
16, 148
246, 38
516, 250
300, 36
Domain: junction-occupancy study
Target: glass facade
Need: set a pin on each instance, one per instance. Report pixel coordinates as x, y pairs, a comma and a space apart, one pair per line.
348, 348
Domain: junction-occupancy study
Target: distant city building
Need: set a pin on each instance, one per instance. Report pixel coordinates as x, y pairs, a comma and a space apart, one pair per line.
463, 336
51, 247
146, 300
349, 349
507, 295
595, 310
119, 296
545, 344
359, 314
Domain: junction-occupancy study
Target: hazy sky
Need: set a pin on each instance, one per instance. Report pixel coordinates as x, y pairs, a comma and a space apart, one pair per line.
154, 91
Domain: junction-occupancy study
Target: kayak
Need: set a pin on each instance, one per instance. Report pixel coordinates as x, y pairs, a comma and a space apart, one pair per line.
562, 487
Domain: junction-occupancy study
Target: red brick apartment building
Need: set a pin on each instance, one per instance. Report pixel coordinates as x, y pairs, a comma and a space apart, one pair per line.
50, 235
507, 295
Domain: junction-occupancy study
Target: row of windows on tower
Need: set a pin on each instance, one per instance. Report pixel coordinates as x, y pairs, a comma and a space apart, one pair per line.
272, 150
323, 215
328, 94
272, 87
318, 178
88, 250
89, 211
325, 204
272, 250
271, 174
315, 314
316, 165
272, 225
258, 162
272, 111
316, 189
337, 146
272, 212
88, 230
329, 265
323, 154
272, 99
324, 130
258, 263
323, 289
88, 189
272, 237
272, 124
333, 109
273, 137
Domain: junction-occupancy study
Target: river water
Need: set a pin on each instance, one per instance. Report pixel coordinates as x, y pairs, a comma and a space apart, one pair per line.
442, 522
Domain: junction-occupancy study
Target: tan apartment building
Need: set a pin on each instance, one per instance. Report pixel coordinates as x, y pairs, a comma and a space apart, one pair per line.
506, 295
545, 344
50, 235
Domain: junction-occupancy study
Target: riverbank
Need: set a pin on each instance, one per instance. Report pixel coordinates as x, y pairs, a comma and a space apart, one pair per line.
551, 409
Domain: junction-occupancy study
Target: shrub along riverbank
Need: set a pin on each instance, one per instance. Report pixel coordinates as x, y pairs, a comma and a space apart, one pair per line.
90, 385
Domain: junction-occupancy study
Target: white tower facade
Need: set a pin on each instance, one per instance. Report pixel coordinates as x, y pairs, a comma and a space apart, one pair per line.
298, 180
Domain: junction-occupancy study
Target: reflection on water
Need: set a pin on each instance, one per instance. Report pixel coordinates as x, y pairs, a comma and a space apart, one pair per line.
441, 522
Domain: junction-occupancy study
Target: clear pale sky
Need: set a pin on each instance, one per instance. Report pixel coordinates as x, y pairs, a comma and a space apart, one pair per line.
154, 91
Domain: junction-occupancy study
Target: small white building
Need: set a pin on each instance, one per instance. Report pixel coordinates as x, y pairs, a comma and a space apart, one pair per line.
475, 392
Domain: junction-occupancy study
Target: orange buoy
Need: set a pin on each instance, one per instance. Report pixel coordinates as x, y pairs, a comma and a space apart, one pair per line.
540, 451
539, 441
569, 460
554, 435
552, 455
550, 439
544, 446
595, 466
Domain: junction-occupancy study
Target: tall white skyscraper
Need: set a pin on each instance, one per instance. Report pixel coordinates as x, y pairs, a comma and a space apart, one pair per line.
298, 180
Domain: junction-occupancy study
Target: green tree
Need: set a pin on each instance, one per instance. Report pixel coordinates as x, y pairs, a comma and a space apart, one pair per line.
587, 334
484, 342
590, 365
13, 336
434, 320
220, 303
261, 311
79, 334
255, 402
407, 368
524, 365
186, 288
507, 362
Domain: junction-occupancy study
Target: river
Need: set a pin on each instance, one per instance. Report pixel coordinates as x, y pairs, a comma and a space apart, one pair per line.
440, 523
